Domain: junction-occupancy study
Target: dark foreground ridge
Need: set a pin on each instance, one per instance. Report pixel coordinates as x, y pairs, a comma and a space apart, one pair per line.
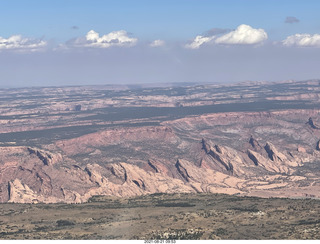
164, 216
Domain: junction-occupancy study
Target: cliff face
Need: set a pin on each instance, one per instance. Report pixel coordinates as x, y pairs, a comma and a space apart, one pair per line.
42, 183
69, 143
158, 160
262, 154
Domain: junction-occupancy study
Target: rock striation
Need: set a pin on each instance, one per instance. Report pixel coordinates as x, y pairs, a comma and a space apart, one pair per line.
46, 157
197, 154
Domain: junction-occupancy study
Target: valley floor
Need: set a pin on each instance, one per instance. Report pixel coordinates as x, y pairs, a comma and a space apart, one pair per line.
164, 216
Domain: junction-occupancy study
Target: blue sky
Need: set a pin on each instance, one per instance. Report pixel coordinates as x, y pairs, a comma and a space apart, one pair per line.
49, 42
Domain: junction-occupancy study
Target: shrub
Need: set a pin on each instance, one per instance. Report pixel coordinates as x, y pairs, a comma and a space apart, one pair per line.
64, 223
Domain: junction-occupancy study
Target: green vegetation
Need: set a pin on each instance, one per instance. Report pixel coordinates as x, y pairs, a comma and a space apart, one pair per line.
133, 106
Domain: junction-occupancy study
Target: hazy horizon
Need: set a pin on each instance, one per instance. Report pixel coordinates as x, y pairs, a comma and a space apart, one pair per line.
45, 43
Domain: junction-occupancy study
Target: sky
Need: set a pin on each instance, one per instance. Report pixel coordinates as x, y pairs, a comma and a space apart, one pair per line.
92, 42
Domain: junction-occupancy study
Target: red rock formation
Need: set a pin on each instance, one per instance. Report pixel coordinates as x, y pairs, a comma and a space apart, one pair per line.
176, 157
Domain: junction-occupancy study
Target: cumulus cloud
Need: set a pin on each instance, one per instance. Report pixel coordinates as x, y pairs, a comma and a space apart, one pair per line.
199, 41
291, 20
115, 38
18, 43
157, 43
244, 34
302, 40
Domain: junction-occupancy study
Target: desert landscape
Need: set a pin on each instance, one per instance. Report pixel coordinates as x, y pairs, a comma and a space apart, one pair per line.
254, 143
159, 121
181, 216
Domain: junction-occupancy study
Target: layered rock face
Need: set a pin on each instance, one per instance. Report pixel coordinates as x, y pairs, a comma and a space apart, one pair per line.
262, 154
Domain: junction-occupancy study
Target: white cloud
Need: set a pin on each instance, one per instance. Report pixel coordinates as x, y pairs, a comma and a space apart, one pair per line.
198, 41
157, 43
244, 34
115, 38
17, 42
302, 40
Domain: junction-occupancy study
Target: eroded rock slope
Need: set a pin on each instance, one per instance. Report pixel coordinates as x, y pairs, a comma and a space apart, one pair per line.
248, 153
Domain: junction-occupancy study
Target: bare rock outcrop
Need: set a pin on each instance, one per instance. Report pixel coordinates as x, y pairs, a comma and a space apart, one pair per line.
153, 151
205, 146
219, 154
88, 143
255, 144
46, 157
273, 153
137, 181
279, 158
94, 175
120, 172
153, 165
301, 149
207, 180
224, 157
182, 171
313, 124
29, 174
318, 145
266, 163
31, 181
22, 193
254, 157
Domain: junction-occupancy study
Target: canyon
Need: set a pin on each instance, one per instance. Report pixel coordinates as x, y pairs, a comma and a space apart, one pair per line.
69, 144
